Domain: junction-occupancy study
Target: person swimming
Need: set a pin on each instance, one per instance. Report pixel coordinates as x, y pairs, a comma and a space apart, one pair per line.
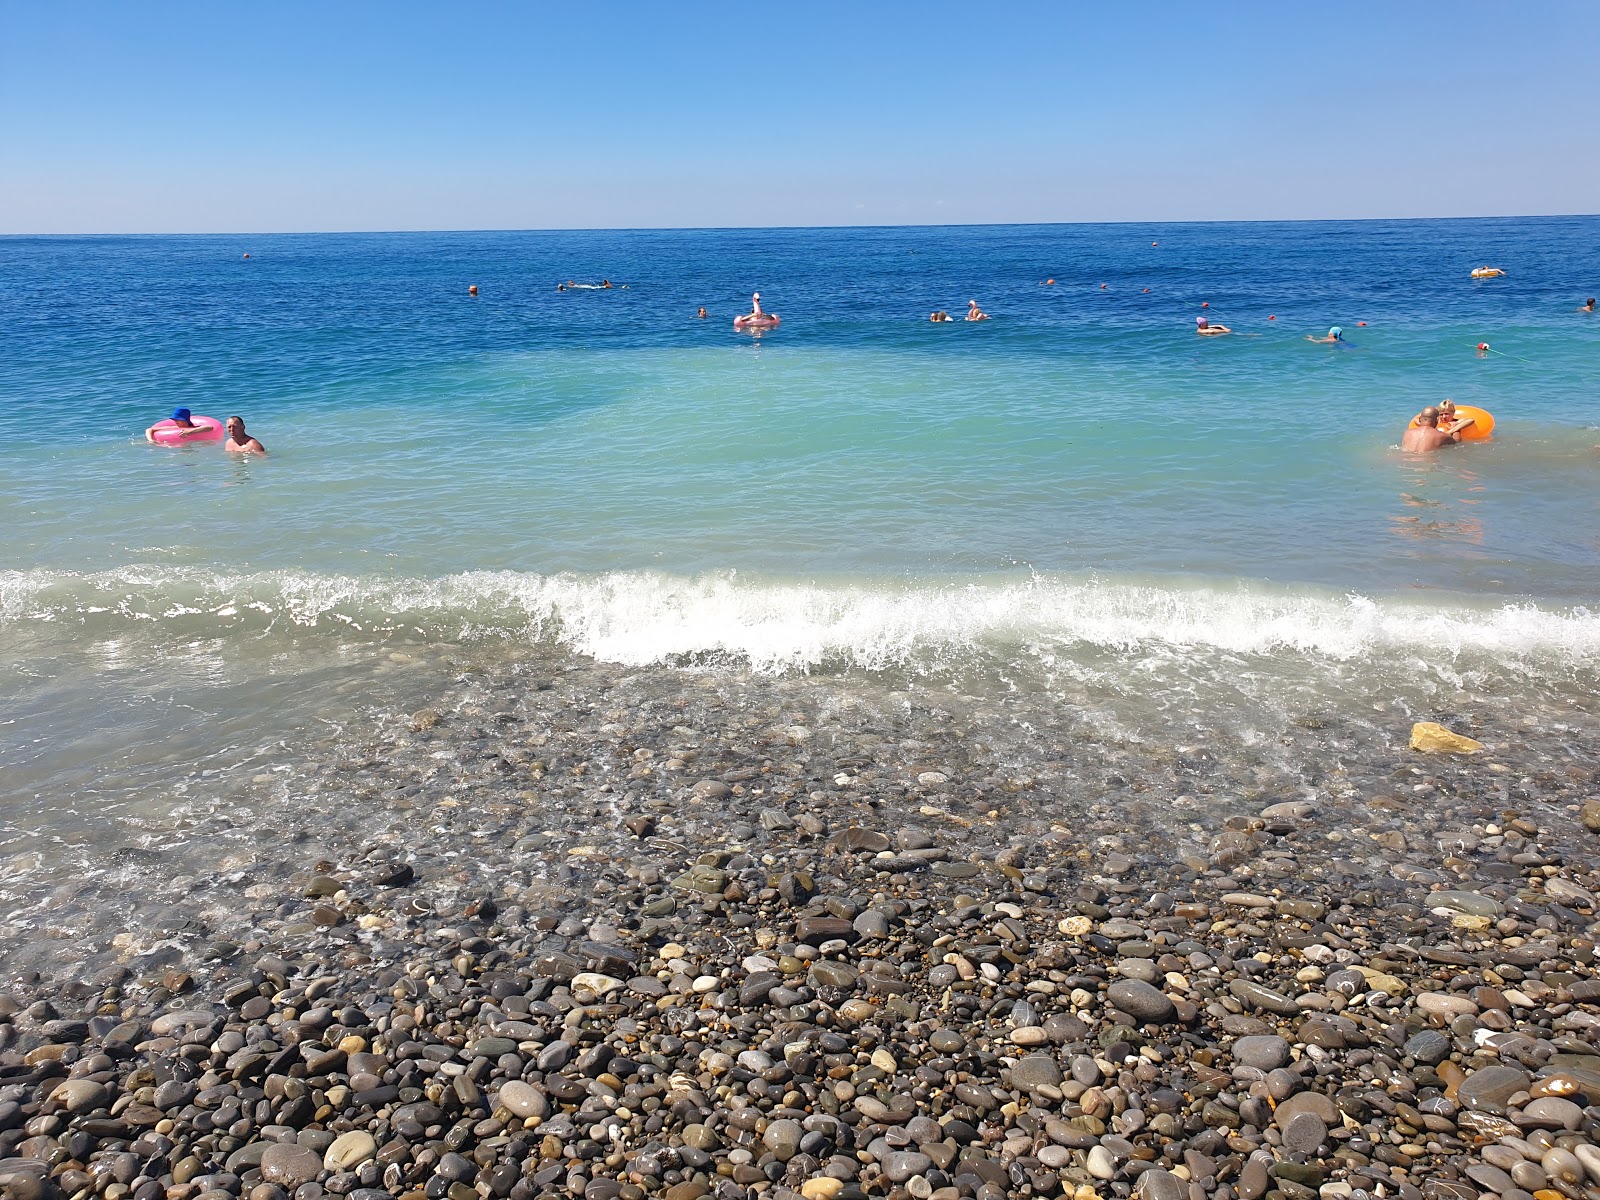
1204, 327
1587, 306
702, 313
182, 419
1335, 334
940, 316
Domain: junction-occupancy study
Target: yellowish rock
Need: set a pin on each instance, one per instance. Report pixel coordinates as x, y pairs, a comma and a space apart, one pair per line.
884, 1061
821, 1188
1380, 982
1433, 738
1075, 926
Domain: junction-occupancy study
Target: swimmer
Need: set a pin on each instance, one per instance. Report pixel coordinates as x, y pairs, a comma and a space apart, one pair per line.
605, 283
1587, 306
1428, 436
561, 287
238, 441
1204, 327
940, 316
702, 313
1336, 334
974, 313
186, 428
472, 289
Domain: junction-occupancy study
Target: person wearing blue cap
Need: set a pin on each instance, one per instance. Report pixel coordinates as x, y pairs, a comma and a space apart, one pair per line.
1336, 334
185, 426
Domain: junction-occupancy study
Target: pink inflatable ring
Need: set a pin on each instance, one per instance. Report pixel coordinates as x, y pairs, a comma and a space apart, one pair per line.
170, 433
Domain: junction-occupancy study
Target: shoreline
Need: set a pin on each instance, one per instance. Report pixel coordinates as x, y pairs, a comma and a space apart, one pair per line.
576, 928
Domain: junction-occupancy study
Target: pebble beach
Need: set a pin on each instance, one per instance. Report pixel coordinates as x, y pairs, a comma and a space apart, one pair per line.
576, 929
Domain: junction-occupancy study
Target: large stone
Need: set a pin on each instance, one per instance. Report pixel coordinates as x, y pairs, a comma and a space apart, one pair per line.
1161, 1184
1432, 738
783, 1139
1305, 1102
523, 1100
1036, 1070
349, 1150
81, 1095
1142, 1001
1488, 1089
1304, 1133
289, 1165
1264, 1052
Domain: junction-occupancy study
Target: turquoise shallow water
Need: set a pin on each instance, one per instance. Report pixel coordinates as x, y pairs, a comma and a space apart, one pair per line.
1079, 500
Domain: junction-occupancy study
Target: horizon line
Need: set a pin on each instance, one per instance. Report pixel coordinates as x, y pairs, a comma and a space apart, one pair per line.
789, 228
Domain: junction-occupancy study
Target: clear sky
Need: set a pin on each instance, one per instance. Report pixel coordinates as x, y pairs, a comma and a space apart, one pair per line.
164, 116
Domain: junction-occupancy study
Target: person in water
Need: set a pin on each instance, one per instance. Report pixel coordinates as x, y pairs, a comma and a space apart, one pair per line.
1587, 306
238, 441
1426, 435
185, 427
974, 313
702, 313
1336, 334
940, 316
1205, 328
755, 314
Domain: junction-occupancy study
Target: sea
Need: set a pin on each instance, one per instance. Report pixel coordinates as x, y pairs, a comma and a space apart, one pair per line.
1077, 515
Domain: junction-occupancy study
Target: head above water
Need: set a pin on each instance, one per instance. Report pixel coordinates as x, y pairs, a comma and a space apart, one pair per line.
180, 414
1428, 416
1336, 333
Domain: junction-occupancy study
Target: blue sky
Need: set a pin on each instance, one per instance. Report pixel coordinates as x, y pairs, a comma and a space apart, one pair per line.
195, 117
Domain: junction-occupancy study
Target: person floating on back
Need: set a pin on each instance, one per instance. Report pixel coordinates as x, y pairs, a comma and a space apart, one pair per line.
1206, 328
1427, 435
240, 442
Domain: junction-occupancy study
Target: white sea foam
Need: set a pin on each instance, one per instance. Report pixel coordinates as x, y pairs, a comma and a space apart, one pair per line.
784, 626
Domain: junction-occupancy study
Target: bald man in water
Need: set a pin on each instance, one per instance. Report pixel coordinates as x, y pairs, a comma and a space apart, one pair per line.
1428, 436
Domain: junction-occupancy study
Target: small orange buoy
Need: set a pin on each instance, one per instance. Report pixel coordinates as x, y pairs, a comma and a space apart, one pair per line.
1483, 345
1360, 322
1102, 287
472, 289
247, 256
1271, 318
1147, 291
1049, 282
1205, 304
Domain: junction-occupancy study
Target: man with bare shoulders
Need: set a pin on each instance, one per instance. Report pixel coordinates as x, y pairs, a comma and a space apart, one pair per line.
1427, 435
240, 442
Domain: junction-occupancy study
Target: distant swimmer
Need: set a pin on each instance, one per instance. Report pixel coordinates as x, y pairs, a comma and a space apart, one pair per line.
1206, 328
1427, 435
238, 441
1587, 306
940, 317
561, 287
605, 283
1336, 334
178, 427
702, 313
472, 289
974, 313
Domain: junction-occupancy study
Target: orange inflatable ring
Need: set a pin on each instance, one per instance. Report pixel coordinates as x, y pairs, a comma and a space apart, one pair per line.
1480, 429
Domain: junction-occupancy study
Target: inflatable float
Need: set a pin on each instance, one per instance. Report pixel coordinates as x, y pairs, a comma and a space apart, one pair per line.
167, 433
1487, 272
764, 321
1480, 429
